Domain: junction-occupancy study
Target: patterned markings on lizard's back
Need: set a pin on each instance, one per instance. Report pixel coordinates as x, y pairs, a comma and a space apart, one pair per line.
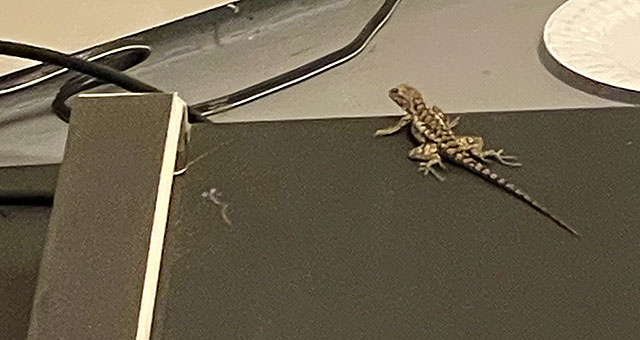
429, 125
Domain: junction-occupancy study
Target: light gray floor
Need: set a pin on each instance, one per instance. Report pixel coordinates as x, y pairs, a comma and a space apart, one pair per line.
465, 55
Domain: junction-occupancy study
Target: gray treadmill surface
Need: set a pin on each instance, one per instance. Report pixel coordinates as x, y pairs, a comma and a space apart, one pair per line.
465, 55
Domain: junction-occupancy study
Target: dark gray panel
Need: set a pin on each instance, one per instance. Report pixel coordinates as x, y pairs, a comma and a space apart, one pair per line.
22, 236
336, 235
28, 184
93, 264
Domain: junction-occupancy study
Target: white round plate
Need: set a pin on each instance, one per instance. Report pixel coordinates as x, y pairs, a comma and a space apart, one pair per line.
598, 39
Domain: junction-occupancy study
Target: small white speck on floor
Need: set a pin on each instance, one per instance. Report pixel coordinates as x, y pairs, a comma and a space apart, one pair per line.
214, 195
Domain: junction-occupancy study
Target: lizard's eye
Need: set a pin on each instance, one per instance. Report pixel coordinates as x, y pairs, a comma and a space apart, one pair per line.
394, 90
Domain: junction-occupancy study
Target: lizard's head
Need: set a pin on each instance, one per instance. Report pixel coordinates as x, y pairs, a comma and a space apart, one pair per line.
405, 96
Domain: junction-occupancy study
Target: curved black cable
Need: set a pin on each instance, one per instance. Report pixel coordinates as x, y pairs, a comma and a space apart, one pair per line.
34, 75
101, 72
96, 70
28, 199
121, 61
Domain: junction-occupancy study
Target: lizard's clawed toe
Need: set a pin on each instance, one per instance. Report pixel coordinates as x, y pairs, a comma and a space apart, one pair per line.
427, 169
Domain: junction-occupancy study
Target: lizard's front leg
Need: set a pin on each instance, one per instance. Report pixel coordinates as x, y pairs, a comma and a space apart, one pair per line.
427, 155
406, 119
453, 123
475, 146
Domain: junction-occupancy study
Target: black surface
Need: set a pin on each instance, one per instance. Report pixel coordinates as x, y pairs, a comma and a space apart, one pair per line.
336, 235
22, 235
23, 230
28, 185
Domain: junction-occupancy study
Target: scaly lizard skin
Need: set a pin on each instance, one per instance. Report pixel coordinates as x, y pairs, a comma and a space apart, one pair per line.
434, 132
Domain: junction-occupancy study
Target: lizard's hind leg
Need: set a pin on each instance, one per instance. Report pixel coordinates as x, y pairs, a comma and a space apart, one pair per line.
475, 146
500, 157
427, 155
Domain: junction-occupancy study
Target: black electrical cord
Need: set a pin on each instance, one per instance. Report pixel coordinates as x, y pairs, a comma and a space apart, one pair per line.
96, 70
28, 199
103, 74
96, 75
120, 61
132, 48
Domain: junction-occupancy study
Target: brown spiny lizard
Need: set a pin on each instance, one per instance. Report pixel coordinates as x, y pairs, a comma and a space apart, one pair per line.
437, 142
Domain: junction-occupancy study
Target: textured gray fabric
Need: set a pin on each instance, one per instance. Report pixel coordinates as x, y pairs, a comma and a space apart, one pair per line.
465, 55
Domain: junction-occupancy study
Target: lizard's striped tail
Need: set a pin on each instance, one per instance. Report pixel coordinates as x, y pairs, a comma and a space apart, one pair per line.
478, 168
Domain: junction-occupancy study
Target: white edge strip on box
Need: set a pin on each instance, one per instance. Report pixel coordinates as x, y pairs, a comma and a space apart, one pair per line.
160, 217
